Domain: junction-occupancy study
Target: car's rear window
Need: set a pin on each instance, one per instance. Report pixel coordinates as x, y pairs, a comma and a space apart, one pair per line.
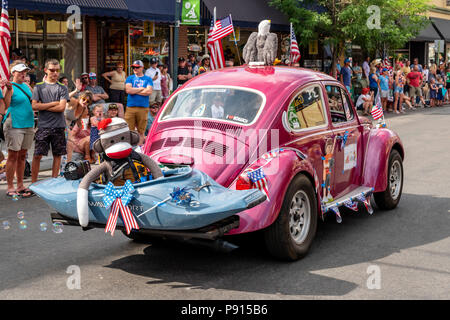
235, 105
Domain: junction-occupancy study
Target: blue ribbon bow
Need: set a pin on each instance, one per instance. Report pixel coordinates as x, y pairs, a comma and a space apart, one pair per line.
181, 196
112, 193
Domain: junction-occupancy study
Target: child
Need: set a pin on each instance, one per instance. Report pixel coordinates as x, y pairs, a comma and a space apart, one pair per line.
440, 96
95, 119
113, 110
433, 92
79, 140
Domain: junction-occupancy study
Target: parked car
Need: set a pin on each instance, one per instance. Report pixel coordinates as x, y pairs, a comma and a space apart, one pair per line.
292, 133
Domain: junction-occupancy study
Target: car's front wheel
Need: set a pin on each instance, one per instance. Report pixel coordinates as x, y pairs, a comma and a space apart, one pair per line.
389, 198
291, 235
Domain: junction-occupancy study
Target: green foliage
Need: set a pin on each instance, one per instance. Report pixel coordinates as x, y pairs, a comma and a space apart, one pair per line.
347, 20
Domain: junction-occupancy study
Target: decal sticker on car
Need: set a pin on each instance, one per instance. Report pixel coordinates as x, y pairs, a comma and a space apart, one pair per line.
350, 157
199, 111
328, 164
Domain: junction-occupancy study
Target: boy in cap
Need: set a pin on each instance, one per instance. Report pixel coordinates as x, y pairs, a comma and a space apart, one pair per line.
138, 87
99, 94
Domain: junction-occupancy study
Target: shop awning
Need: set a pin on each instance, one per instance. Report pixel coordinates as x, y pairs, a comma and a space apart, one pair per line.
154, 10
249, 13
427, 34
443, 26
115, 8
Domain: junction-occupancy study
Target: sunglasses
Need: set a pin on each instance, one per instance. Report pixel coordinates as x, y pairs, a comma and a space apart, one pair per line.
85, 100
92, 78
136, 68
112, 107
53, 70
84, 78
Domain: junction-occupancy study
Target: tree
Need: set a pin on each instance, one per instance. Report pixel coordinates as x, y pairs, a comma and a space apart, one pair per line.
373, 24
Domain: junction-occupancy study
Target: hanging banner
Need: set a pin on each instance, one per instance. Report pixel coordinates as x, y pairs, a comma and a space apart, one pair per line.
313, 47
237, 32
149, 28
190, 15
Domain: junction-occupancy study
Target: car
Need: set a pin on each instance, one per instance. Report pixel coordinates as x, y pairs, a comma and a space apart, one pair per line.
294, 134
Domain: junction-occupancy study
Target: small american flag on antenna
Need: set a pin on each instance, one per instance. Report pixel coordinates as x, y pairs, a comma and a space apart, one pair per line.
295, 51
377, 112
259, 179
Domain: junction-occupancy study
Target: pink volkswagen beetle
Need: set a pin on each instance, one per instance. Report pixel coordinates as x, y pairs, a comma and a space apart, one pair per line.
290, 132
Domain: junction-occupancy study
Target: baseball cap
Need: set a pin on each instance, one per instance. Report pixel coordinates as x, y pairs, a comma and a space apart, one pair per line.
153, 60
92, 75
138, 63
385, 69
206, 56
84, 74
19, 68
365, 90
181, 59
347, 60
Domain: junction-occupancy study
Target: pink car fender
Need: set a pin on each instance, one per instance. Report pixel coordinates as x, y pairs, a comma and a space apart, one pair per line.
279, 172
379, 146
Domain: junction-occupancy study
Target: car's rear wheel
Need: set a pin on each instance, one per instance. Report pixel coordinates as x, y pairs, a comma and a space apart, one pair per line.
389, 198
291, 235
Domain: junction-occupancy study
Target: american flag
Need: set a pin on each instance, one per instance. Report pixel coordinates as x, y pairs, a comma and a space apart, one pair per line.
353, 205
221, 29
217, 60
295, 51
5, 40
377, 112
259, 179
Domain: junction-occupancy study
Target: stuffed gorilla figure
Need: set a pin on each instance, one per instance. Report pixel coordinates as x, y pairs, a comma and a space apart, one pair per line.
116, 141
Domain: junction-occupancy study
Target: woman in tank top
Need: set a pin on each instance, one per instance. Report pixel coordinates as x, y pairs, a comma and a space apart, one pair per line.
116, 78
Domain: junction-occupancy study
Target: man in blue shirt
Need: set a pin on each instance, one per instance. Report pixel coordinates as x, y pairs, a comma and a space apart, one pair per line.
346, 75
138, 87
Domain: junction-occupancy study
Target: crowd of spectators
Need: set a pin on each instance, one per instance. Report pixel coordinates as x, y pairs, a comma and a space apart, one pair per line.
398, 86
50, 115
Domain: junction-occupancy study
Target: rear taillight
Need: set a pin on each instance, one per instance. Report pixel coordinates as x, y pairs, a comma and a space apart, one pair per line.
243, 183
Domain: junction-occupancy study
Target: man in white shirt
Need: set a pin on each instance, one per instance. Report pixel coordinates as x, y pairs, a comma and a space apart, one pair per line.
155, 74
366, 67
217, 111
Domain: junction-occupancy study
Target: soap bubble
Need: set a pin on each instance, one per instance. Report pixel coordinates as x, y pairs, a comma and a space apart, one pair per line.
6, 225
43, 226
23, 224
20, 215
57, 227
15, 197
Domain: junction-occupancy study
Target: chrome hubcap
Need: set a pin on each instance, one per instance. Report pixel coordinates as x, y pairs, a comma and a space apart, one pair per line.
395, 179
299, 217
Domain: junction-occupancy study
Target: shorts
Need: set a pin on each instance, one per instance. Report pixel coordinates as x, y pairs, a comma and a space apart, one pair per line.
415, 91
156, 96
137, 118
384, 94
399, 90
54, 137
447, 85
17, 138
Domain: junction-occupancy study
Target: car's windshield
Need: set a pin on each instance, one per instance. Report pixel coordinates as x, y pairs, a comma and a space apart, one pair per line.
235, 105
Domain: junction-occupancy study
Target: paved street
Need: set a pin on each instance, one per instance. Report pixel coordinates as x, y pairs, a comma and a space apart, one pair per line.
410, 245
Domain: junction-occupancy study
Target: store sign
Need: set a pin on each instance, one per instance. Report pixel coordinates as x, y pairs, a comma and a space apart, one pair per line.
190, 15
439, 46
313, 47
237, 33
149, 28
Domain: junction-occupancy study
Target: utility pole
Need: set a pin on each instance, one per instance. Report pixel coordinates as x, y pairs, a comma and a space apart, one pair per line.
175, 43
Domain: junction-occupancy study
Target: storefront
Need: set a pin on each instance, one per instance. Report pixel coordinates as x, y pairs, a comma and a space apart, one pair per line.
44, 36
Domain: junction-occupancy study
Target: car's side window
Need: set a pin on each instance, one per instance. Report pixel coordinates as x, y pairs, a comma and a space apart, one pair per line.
347, 106
336, 103
306, 109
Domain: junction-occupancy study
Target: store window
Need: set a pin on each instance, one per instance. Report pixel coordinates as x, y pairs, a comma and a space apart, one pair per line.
43, 37
149, 39
197, 37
